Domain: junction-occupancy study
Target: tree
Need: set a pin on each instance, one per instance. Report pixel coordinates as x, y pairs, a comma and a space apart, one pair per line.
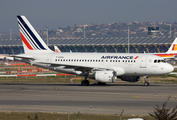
164, 113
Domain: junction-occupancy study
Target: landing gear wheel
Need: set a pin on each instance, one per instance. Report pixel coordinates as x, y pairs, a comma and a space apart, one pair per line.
100, 83
146, 83
85, 83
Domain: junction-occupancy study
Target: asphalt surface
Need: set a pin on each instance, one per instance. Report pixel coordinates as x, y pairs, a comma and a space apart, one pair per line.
108, 99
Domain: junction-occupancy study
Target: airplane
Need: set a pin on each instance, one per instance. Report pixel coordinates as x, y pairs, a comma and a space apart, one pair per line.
171, 54
103, 67
57, 49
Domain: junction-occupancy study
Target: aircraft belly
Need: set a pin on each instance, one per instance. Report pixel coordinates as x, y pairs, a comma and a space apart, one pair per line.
128, 70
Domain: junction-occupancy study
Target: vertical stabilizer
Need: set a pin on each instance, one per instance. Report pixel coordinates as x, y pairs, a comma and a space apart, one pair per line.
32, 42
57, 49
173, 47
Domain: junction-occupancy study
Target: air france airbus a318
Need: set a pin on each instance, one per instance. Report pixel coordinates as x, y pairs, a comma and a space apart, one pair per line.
103, 67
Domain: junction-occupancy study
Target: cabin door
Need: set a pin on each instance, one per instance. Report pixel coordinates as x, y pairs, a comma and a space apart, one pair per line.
143, 62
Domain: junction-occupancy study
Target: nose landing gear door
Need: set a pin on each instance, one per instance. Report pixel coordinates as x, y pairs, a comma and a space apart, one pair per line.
143, 62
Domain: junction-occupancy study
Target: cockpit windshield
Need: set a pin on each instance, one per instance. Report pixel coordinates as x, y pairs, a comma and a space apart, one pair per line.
159, 61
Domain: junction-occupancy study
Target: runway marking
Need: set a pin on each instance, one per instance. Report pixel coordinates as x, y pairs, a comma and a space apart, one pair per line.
55, 88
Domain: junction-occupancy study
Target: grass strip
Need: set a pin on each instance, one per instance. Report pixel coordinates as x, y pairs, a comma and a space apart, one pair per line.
64, 116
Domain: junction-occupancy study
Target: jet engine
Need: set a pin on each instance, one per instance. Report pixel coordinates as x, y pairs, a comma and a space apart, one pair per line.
105, 76
130, 78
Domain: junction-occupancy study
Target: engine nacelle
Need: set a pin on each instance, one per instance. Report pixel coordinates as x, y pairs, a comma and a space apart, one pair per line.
130, 78
105, 76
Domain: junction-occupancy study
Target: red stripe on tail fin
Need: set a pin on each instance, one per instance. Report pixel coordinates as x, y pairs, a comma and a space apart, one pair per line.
26, 42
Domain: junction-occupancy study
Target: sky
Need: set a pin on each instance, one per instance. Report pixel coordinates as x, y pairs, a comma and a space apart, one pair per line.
63, 13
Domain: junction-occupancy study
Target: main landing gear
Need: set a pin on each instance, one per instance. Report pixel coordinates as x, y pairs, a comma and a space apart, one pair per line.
85, 82
146, 83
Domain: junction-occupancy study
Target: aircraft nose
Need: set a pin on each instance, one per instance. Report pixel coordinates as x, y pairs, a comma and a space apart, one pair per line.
169, 68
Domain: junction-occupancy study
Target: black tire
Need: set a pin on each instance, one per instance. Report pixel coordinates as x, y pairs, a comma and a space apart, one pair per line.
85, 83
88, 82
146, 84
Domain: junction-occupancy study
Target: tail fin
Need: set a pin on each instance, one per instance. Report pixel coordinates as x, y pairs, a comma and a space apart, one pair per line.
173, 47
57, 49
32, 42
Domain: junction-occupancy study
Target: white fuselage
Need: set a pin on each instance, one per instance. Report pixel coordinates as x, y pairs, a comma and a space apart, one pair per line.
123, 63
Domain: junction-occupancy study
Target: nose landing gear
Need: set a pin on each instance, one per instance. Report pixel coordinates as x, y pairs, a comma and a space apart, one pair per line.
146, 83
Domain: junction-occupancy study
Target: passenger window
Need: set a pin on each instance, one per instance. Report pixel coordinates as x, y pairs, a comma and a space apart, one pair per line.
110, 60
123, 61
158, 61
155, 61
106, 60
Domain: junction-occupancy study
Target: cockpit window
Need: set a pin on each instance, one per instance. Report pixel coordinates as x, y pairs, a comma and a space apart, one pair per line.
159, 61
163, 61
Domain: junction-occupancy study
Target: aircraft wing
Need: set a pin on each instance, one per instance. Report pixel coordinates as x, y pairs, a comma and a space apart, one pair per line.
77, 67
